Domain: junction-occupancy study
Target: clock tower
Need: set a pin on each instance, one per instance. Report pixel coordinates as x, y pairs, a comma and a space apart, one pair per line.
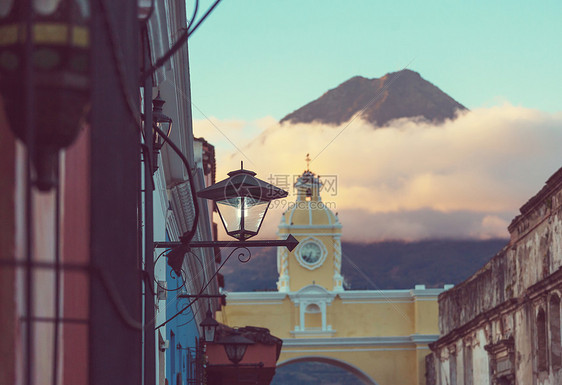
317, 258
381, 336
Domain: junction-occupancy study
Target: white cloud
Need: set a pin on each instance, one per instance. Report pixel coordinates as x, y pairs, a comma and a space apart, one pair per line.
411, 180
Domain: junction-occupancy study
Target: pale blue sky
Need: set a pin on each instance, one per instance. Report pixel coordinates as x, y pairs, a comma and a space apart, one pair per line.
253, 58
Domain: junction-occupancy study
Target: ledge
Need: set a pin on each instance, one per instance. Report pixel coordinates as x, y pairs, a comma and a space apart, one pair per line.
413, 339
312, 333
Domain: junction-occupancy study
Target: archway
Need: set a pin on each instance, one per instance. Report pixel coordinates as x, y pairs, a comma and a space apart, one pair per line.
358, 373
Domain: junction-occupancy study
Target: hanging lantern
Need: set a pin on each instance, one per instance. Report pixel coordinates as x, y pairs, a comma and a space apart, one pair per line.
235, 346
209, 326
164, 124
60, 66
242, 201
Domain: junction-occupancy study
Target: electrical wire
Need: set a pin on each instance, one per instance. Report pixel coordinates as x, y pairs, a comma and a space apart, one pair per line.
202, 271
107, 284
194, 314
202, 290
179, 43
195, 11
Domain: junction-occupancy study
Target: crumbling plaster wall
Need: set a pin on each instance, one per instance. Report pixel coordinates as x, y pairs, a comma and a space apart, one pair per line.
533, 253
523, 338
500, 302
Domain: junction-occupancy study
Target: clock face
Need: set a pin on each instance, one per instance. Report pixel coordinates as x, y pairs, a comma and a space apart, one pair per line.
310, 252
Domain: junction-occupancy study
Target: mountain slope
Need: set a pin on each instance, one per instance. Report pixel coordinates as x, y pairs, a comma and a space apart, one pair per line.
384, 265
402, 94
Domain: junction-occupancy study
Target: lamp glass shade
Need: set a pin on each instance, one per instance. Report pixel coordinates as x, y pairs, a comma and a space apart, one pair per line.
242, 201
164, 126
209, 333
209, 325
235, 347
235, 352
162, 121
242, 216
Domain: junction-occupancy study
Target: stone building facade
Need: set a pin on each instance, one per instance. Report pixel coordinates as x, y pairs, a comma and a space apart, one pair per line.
502, 325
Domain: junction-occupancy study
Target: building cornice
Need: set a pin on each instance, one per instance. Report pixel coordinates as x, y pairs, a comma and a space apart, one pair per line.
407, 294
336, 226
256, 296
413, 339
347, 296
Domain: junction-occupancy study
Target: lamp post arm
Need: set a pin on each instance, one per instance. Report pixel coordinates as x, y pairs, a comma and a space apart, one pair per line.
290, 243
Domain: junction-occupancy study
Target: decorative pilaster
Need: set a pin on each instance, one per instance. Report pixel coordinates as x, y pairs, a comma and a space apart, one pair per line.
283, 269
338, 279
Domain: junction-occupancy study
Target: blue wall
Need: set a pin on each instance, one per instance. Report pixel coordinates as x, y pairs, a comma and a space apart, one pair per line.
180, 331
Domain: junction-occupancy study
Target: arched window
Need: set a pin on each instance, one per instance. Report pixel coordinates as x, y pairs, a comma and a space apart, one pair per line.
313, 308
313, 316
555, 342
542, 343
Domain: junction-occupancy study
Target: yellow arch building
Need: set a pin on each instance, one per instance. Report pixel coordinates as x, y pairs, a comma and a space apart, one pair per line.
381, 336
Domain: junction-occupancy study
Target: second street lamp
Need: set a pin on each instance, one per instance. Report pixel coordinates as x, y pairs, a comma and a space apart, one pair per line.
209, 326
235, 347
164, 124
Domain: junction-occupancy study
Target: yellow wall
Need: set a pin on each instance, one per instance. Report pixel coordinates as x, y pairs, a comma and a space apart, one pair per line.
383, 334
376, 319
372, 319
380, 316
427, 315
276, 318
322, 275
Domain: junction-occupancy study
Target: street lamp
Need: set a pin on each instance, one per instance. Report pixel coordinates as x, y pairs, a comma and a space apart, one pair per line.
235, 346
45, 80
209, 326
163, 123
242, 201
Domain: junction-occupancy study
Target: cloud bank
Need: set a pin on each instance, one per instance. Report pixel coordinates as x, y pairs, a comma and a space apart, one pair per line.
412, 180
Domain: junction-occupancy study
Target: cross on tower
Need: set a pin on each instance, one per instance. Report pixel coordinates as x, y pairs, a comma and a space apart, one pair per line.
307, 162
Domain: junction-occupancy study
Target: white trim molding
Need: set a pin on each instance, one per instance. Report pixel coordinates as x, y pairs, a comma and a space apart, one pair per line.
411, 340
312, 295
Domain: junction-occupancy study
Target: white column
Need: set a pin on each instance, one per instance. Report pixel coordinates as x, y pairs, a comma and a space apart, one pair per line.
324, 322
338, 284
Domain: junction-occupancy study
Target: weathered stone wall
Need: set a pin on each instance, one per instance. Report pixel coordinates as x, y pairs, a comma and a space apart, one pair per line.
533, 253
489, 323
